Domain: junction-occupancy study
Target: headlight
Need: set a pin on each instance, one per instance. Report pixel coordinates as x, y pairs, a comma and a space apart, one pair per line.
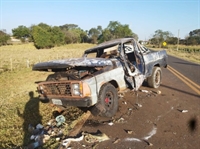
40, 89
76, 89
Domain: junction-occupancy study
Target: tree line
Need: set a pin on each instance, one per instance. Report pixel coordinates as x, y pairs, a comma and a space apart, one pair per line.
165, 36
46, 36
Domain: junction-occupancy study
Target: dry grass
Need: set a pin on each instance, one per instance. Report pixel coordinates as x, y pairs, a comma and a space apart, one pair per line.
189, 53
17, 107
18, 56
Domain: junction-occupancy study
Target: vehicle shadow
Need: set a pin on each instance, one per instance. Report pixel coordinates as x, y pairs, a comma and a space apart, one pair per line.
184, 63
30, 115
195, 95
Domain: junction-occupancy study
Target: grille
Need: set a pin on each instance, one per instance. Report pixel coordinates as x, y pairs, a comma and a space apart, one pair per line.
58, 89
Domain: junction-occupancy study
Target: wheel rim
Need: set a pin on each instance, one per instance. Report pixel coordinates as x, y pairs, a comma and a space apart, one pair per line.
108, 100
158, 78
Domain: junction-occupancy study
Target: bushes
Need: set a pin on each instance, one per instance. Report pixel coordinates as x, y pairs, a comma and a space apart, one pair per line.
3, 38
47, 37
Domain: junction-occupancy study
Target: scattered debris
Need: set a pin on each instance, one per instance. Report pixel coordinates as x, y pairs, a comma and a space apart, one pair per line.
144, 139
124, 102
144, 91
39, 126
133, 139
184, 111
148, 143
67, 141
130, 111
92, 138
129, 131
120, 95
110, 123
120, 120
151, 133
116, 140
157, 92
60, 120
139, 105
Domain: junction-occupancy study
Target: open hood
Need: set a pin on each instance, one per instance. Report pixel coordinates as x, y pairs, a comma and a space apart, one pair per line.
65, 63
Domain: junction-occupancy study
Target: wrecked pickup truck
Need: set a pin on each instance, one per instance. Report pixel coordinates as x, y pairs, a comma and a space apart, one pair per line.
94, 80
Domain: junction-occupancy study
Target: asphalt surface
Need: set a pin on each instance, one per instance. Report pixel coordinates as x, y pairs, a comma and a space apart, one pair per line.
168, 120
188, 69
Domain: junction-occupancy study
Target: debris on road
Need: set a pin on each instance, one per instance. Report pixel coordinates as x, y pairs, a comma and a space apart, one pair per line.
144, 91
183, 111
67, 141
139, 105
128, 131
98, 137
110, 123
116, 140
120, 120
124, 102
157, 92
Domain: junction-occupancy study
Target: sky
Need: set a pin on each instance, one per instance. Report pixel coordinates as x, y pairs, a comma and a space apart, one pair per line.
144, 17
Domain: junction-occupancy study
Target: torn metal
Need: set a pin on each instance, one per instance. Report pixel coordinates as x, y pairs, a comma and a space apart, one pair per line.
123, 63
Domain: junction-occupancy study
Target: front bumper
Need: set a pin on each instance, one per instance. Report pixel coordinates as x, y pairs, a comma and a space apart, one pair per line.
78, 102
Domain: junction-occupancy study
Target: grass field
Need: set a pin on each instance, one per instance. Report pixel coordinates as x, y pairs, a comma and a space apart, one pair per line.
189, 53
19, 105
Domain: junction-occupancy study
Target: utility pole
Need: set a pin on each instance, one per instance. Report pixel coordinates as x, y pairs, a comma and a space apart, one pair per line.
178, 41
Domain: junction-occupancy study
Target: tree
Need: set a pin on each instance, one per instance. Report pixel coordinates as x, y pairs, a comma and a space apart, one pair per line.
3, 38
105, 36
68, 26
57, 36
73, 34
194, 40
172, 40
195, 33
194, 37
45, 26
93, 35
161, 36
116, 30
21, 32
41, 38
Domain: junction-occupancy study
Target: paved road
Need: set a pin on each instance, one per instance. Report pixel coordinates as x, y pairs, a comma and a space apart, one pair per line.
188, 69
159, 119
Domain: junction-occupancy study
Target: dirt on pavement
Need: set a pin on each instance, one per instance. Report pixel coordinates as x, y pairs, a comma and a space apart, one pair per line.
164, 118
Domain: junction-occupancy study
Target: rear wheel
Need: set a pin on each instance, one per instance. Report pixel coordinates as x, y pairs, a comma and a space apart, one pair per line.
155, 79
108, 98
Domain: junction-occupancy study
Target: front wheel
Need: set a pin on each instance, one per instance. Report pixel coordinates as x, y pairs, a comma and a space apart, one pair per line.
154, 80
108, 98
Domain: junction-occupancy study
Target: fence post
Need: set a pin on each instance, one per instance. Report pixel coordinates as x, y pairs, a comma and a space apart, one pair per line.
27, 63
11, 64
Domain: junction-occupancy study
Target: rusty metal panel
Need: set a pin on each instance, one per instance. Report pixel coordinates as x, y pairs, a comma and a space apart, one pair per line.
56, 64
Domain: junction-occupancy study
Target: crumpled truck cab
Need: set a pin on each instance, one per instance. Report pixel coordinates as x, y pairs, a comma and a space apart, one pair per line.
95, 79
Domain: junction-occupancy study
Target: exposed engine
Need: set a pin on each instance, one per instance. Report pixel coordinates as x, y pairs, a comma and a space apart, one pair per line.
74, 73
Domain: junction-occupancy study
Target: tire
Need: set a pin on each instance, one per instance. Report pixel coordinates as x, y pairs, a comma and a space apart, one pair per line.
154, 80
108, 98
